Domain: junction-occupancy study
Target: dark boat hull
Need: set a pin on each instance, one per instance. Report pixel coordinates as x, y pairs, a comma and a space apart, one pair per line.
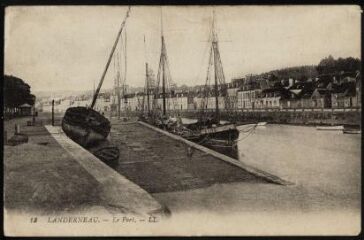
107, 152
85, 126
227, 133
352, 131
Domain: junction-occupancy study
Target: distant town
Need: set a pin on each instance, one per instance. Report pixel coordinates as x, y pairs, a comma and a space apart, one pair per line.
331, 84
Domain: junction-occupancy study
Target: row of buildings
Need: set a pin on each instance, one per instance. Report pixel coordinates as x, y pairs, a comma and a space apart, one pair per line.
325, 91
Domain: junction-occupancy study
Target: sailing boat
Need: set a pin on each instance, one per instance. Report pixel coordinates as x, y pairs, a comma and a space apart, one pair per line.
84, 125
145, 109
209, 129
120, 81
160, 117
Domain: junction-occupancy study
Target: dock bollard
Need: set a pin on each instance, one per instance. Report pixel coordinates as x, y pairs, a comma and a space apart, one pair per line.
5, 137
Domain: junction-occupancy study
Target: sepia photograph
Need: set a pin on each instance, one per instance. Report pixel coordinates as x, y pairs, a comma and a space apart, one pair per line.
212, 120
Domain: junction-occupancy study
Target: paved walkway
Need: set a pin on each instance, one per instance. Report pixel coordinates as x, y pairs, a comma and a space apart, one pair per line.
116, 190
40, 176
159, 163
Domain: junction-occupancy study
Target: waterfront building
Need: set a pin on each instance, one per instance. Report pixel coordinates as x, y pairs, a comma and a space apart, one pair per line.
271, 98
232, 96
132, 102
249, 99
209, 102
237, 82
306, 101
177, 100
321, 98
345, 96
191, 102
294, 99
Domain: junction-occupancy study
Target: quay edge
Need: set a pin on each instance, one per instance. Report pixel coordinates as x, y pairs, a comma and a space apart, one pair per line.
117, 191
259, 173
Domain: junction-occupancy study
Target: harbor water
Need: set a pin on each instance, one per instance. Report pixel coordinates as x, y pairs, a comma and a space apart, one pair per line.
328, 161
323, 167
304, 155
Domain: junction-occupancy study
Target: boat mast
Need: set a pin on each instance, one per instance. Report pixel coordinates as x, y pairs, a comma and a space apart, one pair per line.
109, 60
125, 66
215, 49
163, 67
164, 74
118, 85
164, 86
146, 89
94, 88
147, 86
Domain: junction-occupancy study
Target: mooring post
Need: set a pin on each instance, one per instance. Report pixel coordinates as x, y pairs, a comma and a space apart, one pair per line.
53, 112
5, 137
17, 128
33, 116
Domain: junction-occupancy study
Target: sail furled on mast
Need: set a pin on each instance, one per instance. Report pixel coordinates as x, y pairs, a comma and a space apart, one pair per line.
164, 85
215, 86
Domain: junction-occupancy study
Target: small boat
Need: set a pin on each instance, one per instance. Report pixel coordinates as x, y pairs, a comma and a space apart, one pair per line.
351, 131
85, 126
210, 129
88, 127
330, 128
221, 132
262, 123
106, 151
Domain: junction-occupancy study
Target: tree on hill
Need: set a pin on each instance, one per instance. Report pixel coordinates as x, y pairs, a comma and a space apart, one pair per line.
331, 66
327, 66
301, 73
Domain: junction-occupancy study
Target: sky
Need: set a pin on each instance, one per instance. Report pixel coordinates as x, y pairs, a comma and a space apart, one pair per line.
66, 47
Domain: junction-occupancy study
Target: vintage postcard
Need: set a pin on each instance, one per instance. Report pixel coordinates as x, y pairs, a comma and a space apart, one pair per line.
182, 120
